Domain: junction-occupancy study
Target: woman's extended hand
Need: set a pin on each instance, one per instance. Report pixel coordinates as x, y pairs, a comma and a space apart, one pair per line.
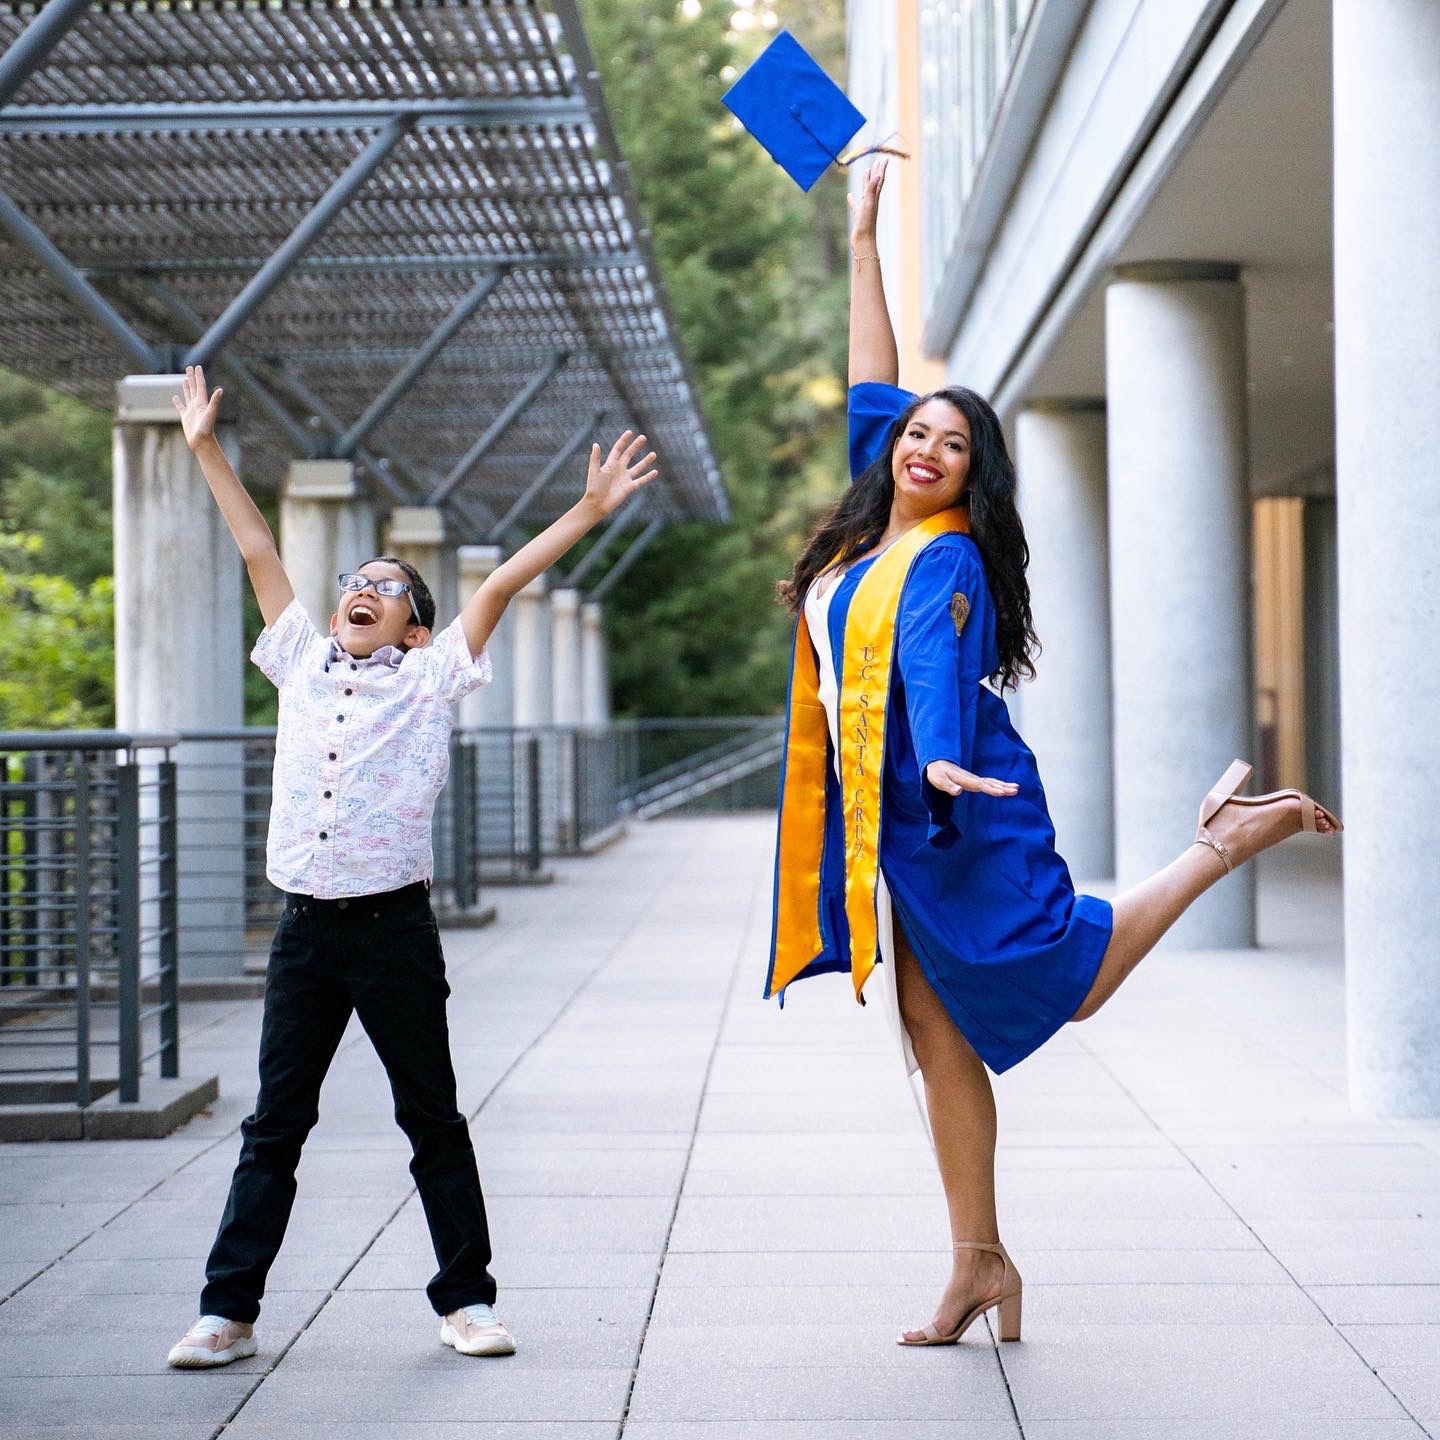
614, 480
197, 409
863, 209
952, 780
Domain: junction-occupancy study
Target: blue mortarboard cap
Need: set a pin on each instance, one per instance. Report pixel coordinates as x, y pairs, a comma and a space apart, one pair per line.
794, 109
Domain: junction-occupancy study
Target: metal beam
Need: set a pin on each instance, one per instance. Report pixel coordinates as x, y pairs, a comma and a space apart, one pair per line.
546, 475
280, 114
404, 264
180, 312
76, 286
278, 266
498, 426
623, 564
416, 365
608, 536
473, 511
35, 42
394, 354
379, 465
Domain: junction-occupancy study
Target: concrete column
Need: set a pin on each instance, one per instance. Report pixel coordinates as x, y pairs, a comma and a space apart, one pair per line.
1060, 447
1179, 570
492, 704
180, 655
417, 535
594, 664
532, 655
1387, 374
566, 665
327, 526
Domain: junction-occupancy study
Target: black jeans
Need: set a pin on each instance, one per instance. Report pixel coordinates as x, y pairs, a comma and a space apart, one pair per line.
380, 956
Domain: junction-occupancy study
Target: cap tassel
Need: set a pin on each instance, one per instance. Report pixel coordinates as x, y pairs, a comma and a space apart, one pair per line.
883, 148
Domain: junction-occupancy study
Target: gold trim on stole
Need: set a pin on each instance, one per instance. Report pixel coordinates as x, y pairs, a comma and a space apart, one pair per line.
864, 698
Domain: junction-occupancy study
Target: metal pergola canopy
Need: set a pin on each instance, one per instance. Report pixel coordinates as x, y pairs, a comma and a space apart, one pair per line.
399, 230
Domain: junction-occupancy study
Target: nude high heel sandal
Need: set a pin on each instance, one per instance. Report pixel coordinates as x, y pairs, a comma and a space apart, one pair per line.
1008, 1301
1224, 794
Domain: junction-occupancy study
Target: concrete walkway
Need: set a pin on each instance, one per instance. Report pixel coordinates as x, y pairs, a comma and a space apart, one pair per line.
711, 1217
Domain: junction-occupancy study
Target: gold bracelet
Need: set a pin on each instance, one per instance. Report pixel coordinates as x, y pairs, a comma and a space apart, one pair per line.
854, 256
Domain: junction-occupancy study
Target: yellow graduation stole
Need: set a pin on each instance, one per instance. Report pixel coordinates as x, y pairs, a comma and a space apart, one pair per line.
864, 698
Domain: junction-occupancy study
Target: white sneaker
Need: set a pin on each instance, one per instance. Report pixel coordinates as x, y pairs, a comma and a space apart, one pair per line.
475, 1330
213, 1340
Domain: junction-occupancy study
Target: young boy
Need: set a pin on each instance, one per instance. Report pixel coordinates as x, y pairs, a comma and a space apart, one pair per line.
360, 755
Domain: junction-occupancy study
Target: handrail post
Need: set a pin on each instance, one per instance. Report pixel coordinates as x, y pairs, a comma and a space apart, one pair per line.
577, 789
82, 930
169, 922
127, 845
532, 768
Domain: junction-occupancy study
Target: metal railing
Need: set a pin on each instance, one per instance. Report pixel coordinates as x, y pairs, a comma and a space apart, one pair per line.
88, 895
123, 856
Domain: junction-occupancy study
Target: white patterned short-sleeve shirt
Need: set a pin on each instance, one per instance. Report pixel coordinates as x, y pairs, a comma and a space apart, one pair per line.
361, 753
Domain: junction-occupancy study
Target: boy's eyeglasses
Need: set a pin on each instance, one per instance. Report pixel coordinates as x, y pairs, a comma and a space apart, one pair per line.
392, 589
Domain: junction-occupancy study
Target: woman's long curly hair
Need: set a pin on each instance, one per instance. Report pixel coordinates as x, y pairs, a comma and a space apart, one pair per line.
857, 522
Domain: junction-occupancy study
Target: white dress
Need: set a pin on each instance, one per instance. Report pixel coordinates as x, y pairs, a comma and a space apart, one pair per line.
817, 610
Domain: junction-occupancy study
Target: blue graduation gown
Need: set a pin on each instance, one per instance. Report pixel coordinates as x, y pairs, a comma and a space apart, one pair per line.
986, 902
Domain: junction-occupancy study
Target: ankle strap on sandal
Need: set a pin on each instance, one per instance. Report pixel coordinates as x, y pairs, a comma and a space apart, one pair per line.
997, 1248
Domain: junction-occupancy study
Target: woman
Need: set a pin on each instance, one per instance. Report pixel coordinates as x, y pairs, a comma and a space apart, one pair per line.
913, 826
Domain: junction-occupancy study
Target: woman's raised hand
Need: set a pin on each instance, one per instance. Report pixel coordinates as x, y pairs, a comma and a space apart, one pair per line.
197, 409
614, 480
863, 209
952, 780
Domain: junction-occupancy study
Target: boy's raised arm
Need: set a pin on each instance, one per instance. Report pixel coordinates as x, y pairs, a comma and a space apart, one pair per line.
257, 545
609, 484
872, 339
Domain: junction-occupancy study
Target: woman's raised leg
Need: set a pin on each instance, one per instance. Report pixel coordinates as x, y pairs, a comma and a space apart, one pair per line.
1146, 911
961, 1106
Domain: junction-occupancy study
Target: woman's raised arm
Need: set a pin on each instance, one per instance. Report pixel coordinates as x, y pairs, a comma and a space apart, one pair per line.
872, 341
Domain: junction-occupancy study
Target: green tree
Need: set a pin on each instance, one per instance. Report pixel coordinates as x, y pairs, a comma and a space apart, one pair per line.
57, 617
757, 279
57, 654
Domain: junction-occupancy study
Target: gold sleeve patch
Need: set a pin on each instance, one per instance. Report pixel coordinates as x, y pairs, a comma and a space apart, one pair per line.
959, 611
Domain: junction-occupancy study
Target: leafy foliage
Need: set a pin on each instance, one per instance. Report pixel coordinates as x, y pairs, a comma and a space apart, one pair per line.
57, 652
757, 280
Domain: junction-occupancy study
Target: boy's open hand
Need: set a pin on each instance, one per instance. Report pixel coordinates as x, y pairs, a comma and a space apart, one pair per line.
197, 410
613, 481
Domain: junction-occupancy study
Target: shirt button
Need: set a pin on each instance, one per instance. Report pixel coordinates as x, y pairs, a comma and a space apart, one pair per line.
343, 904
353, 665
324, 835
327, 794
349, 692
332, 754
339, 717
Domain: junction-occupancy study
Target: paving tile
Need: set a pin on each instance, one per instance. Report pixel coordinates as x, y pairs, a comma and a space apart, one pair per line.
1051, 1383
1396, 1346
1378, 1304
936, 1385
173, 1396
824, 1430
47, 1230
514, 1270
1212, 1428
15, 1273
555, 1329
151, 1430
455, 1388
156, 1320
246, 1428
